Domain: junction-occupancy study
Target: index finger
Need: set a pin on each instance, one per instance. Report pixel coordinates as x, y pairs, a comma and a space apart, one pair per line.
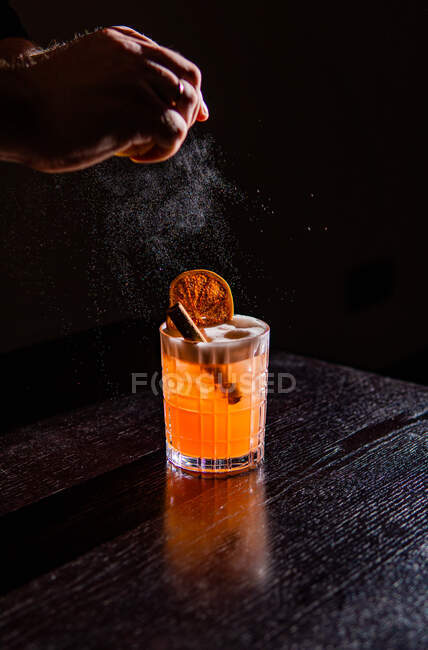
182, 67
128, 31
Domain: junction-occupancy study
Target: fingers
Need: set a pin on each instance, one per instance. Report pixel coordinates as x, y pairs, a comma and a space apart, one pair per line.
168, 131
170, 98
175, 63
155, 154
181, 67
174, 92
128, 31
148, 118
171, 131
136, 151
203, 113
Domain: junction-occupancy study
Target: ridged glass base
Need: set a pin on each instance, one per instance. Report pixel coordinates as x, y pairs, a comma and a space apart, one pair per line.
216, 467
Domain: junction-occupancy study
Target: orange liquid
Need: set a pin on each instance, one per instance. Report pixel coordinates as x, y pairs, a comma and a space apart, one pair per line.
214, 412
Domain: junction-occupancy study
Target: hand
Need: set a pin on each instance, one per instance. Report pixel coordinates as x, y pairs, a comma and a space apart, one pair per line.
108, 92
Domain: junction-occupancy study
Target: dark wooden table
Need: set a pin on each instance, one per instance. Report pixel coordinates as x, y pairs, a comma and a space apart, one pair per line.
104, 546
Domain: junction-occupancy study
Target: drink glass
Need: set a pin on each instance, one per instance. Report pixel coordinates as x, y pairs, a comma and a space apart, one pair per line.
215, 401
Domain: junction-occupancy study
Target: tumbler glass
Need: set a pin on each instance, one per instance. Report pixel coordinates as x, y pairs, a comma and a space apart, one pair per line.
215, 401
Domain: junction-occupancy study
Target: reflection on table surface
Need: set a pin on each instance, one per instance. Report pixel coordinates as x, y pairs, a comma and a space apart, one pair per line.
216, 529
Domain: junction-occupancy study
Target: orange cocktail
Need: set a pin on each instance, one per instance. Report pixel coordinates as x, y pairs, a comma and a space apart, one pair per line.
215, 395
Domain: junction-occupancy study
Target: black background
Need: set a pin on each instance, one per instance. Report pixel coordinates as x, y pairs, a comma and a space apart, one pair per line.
316, 124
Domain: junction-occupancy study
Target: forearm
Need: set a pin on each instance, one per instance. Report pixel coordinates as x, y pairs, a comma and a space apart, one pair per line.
18, 115
12, 48
17, 112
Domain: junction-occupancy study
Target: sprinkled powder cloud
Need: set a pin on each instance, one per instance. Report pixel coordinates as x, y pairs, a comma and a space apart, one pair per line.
163, 219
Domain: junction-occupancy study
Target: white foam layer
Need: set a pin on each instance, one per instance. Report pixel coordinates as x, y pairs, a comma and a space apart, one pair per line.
241, 338
239, 327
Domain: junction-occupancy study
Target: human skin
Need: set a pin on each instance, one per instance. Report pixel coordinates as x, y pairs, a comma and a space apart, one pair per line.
76, 104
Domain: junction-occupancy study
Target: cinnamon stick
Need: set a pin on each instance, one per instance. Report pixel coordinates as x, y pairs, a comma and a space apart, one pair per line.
184, 323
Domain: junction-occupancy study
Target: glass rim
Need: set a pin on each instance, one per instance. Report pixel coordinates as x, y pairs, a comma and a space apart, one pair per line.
181, 341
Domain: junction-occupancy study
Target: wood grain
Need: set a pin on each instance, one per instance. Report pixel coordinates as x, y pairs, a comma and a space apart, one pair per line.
55, 454
103, 546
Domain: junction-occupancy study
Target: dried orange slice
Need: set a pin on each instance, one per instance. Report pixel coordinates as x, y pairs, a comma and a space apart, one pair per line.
205, 295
